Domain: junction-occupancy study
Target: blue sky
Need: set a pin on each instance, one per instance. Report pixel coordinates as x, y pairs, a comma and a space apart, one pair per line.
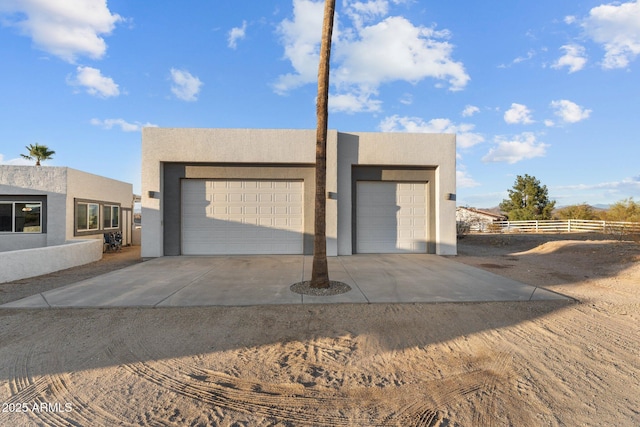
544, 88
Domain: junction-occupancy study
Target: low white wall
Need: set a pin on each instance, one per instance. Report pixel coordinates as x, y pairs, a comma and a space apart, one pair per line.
26, 263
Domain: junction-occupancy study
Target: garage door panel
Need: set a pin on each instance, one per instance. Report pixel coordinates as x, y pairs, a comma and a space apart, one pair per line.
391, 217
242, 217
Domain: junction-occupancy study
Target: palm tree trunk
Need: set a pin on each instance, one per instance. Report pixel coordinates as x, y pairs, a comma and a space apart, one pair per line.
320, 269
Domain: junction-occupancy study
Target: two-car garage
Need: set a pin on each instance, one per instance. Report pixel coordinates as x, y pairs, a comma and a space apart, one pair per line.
253, 191
224, 217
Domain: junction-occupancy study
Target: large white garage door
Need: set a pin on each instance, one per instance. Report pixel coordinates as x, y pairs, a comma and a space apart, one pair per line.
242, 217
391, 217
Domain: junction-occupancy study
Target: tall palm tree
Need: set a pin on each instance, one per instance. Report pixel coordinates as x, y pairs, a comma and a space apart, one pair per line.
320, 269
38, 153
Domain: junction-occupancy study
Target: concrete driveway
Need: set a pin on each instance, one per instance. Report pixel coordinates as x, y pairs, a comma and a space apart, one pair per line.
256, 280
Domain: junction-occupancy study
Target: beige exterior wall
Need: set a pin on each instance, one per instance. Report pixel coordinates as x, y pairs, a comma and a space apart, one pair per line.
32, 180
297, 147
83, 185
219, 146
60, 185
405, 150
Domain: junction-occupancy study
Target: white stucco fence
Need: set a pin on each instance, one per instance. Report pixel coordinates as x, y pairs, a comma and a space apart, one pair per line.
21, 264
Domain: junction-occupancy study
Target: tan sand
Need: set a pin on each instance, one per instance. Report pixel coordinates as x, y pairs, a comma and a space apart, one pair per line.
544, 363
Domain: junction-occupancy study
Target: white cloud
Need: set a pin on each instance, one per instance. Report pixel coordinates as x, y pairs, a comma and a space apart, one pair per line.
301, 40
362, 12
66, 29
629, 185
569, 112
516, 149
406, 99
518, 113
570, 19
372, 51
464, 180
465, 138
94, 82
395, 49
354, 103
603, 192
185, 86
123, 124
237, 33
574, 58
470, 110
16, 161
616, 26
530, 55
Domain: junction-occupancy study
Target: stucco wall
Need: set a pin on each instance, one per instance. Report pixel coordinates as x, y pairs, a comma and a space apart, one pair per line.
60, 185
401, 149
32, 180
26, 263
258, 146
83, 185
233, 146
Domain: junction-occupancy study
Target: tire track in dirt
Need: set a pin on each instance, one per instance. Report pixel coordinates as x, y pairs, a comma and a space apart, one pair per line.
499, 368
295, 402
606, 346
48, 390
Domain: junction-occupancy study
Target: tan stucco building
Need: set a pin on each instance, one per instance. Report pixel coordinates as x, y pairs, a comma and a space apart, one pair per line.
43, 206
251, 191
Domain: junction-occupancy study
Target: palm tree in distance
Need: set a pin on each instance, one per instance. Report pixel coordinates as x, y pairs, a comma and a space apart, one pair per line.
320, 269
38, 153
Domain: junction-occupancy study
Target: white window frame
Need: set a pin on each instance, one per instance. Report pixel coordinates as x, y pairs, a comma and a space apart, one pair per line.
88, 217
112, 209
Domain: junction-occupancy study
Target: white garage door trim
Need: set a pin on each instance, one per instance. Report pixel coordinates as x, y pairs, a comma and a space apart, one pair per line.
241, 217
391, 217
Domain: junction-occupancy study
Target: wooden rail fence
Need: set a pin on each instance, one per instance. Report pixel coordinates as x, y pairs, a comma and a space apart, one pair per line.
559, 226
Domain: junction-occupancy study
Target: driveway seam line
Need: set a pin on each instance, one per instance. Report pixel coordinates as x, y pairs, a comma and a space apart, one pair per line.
185, 286
45, 299
354, 281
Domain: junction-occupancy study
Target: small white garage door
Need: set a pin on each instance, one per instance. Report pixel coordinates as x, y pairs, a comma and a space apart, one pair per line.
391, 217
225, 217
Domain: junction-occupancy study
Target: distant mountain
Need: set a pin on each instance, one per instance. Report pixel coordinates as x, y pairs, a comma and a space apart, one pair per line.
494, 210
598, 207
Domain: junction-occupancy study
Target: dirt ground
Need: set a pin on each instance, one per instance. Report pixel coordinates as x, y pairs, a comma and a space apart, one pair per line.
538, 363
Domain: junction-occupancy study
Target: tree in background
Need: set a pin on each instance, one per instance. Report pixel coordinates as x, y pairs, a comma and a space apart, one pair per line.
527, 200
38, 153
581, 211
320, 269
624, 210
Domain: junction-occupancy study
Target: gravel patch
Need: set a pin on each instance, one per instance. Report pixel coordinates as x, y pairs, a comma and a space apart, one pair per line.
335, 288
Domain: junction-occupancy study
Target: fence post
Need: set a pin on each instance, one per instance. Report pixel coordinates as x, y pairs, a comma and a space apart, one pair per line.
569, 226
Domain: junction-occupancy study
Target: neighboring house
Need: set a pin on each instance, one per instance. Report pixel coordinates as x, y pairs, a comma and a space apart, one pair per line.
476, 219
42, 206
251, 191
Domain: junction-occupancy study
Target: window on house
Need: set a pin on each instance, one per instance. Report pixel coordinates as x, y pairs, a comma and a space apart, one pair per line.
110, 216
21, 217
6, 217
94, 216
87, 216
